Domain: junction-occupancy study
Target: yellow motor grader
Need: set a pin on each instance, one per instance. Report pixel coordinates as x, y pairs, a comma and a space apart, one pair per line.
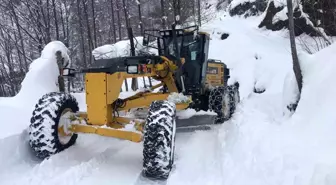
183, 70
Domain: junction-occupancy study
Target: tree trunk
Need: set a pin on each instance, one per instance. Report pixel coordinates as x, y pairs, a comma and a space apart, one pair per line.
67, 14
163, 15
126, 14
16, 19
119, 21
175, 12
46, 20
199, 13
296, 64
55, 18
81, 32
194, 10
88, 30
63, 26
113, 23
94, 23
178, 18
140, 18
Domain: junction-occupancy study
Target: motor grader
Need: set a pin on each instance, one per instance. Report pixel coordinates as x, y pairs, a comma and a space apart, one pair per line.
183, 69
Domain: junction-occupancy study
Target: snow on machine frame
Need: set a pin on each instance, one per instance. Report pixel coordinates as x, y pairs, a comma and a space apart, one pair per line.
185, 70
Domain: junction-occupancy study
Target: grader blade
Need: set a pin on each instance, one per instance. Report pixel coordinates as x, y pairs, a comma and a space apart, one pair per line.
197, 122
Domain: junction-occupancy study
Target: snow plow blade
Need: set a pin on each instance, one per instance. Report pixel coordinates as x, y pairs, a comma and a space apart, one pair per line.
196, 122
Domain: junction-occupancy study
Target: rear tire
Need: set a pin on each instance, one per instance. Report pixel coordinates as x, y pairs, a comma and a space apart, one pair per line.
220, 101
44, 138
159, 140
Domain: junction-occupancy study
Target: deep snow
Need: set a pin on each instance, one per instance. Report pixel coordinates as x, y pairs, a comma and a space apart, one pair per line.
41, 78
258, 146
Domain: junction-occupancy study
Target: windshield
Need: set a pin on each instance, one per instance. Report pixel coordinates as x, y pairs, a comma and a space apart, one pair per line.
171, 46
190, 48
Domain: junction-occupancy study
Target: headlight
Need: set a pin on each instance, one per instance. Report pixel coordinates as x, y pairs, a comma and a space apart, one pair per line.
132, 69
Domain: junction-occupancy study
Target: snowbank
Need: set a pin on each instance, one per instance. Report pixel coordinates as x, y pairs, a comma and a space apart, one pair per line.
318, 92
43, 73
255, 59
41, 78
290, 93
313, 124
263, 147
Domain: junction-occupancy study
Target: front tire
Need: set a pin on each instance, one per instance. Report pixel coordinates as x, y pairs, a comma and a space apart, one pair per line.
44, 138
159, 140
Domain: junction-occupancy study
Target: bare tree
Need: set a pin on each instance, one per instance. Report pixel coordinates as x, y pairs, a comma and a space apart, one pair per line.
55, 18
140, 17
199, 12
94, 23
113, 22
296, 64
163, 14
119, 21
86, 14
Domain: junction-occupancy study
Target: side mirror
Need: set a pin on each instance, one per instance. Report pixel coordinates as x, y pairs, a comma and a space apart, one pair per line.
145, 40
69, 72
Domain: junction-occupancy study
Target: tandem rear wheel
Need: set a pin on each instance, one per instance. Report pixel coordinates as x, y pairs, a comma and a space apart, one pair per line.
223, 101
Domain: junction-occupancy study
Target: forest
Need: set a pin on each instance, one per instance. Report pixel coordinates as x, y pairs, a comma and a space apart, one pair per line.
26, 26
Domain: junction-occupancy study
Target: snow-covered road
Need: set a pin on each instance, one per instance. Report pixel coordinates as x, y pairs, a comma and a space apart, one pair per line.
202, 157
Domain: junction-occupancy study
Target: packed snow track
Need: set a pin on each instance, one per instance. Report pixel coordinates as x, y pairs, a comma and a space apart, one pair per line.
96, 159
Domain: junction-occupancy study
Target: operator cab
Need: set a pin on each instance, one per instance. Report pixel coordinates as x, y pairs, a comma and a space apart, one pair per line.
190, 48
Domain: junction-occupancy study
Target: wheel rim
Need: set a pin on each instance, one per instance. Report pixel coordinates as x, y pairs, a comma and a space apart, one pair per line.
64, 123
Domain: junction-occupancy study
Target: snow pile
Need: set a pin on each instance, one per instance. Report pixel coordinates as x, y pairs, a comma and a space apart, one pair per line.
318, 93
119, 49
262, 147
43, 73
188, 113
290, 93
256, 60
41, 78
178, 98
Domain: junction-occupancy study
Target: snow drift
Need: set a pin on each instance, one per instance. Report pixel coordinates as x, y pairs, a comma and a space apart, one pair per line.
41, 78
263, 147
256, 60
